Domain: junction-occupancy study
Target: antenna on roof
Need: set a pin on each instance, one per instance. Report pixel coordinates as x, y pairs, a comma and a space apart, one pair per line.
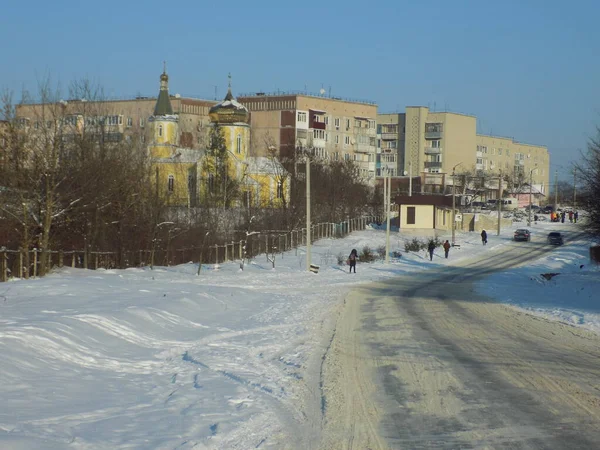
164, 66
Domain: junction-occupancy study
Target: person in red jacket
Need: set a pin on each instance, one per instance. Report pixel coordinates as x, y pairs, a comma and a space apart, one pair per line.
446, 248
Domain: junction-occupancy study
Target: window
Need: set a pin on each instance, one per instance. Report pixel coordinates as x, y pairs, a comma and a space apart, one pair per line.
499, 152
436, 144
337, 139
326, 120
319, 134
410, 215
337, 122
279, 189
171, 184
479, 160
346, 140
301, 116
434, 127
347, 124
129, 122
160, 130
357, 123
238, 146
372, 124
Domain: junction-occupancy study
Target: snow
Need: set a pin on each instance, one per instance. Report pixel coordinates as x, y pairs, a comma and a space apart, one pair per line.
164, 358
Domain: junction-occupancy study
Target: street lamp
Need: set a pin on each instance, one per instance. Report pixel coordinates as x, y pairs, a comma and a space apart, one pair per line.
454, 203
530, 183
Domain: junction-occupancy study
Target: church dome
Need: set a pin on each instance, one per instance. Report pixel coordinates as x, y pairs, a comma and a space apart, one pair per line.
229, 111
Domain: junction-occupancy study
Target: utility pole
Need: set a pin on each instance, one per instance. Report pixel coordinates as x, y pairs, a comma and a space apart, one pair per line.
499, 201
308, 259
454, 203
388, 181
410, 178
555, 189
530, 189
574, 189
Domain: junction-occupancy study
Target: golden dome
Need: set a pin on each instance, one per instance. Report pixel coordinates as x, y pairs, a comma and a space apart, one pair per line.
229, 110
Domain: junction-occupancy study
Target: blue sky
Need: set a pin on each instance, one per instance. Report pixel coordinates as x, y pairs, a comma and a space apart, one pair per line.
527, 69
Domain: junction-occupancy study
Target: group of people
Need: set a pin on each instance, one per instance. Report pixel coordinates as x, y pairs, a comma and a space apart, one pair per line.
556, 216
430, 249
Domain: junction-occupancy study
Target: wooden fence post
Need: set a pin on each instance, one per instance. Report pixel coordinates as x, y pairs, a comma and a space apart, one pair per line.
61, 258
3, 276
20, 263
35, 262
73, 259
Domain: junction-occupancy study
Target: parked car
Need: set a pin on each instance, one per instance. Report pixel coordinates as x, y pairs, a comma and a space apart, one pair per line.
555, 238
522, 234
548, 209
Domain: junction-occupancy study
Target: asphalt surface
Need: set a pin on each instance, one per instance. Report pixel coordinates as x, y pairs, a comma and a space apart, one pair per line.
424, 362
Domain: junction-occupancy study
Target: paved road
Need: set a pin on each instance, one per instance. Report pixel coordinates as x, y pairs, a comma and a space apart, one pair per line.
424, 362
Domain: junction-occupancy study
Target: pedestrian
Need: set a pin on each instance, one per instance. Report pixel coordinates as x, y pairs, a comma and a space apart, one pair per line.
352, 260
562, 217
575, 216
571, 216
483, 237
446, 248
431, 248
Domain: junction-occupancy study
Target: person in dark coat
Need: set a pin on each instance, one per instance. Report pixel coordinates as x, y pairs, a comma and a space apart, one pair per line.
352, 260
431, 248
446, 248
575, 216
483, 237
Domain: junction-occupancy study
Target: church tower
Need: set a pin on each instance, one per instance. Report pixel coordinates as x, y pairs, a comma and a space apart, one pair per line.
233, 117
164, 124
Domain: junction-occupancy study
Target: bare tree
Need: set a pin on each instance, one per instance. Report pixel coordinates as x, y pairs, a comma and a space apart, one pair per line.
589, 173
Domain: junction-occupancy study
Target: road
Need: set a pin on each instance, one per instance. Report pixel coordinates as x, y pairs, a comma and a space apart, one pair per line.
424, 362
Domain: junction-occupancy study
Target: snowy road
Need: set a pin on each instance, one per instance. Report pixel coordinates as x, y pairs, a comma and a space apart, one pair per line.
424, 361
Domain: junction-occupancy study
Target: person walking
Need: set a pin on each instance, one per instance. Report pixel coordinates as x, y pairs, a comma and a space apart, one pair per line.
483, 237
431, 248
446, 248
352, 260
575, 216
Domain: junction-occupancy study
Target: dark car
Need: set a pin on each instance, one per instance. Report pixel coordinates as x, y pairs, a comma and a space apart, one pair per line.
555, 238
522, 234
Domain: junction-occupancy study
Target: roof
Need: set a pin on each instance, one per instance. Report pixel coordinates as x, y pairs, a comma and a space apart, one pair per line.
163, 103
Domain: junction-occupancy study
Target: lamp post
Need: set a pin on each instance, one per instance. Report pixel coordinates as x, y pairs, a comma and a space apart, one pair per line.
454, 203
530, 189
308, 258
388, 183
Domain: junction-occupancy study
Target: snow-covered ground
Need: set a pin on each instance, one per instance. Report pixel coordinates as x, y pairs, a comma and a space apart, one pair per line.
165, 359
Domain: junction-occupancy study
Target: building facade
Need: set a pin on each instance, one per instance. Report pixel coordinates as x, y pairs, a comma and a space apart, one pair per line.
329, 128
436, 144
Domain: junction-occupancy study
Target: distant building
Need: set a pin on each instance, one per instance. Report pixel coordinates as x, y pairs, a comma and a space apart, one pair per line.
432, 144
330, 128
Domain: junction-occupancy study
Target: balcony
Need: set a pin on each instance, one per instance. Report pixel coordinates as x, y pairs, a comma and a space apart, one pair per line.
318, 125
364, 148
434, 134
389, 136
433, 150
433, 165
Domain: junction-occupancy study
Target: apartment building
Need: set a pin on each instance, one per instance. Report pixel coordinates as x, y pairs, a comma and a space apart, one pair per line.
121, 119
390, 144
330, 128
433, 144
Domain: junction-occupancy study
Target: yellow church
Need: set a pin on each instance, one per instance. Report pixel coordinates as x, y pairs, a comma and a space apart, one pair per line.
224, 174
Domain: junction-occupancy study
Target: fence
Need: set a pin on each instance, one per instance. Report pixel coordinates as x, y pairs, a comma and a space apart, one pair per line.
25, 263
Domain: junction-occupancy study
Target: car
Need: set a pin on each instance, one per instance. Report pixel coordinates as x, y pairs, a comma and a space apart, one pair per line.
555, 238
522, 234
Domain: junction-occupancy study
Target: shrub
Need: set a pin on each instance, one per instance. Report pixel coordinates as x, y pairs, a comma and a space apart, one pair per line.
341, 259
381, 251
367, 255
414, 246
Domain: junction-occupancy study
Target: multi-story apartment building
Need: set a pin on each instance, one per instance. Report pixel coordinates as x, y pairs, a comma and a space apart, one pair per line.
390, 141
434, 144
330, 128
121, 119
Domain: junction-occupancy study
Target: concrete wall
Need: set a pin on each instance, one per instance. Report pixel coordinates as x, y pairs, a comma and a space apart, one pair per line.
478, 222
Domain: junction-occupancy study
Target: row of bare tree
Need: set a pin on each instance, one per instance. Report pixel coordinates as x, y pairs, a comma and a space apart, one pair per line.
67, 185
